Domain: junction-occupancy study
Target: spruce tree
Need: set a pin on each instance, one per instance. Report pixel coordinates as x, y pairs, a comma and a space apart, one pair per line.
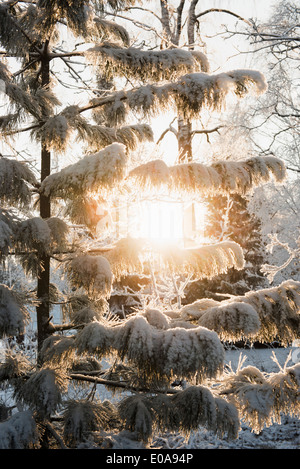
164, 359
228, 217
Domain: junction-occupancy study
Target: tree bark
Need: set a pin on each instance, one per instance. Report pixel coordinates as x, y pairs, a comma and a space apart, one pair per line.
185, 153
43, 283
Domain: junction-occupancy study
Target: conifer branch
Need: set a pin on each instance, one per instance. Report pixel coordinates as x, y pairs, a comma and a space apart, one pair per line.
117, 384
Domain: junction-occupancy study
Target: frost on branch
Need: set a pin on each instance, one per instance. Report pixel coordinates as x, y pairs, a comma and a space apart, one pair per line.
262, 399
264, 315
185, 410
19, 432
293, 253
92, 273
148, 65
13, 313
222, 177
94, 172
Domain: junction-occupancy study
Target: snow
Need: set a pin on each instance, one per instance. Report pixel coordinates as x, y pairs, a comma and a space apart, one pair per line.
155, 65
278, 436
93, 172
92, 273
224, 176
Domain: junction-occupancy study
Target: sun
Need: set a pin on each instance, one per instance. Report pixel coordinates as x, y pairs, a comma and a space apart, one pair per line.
168, 220
161, 220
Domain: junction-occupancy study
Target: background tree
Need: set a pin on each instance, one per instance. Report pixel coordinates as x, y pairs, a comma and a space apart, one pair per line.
273, 122
155, 347
229, 218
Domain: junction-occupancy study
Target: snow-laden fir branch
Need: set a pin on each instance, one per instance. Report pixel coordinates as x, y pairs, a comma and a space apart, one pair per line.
42, 391
111, 29
129, 255
16, 181
204, 261
195, 406
19, 432
166, 64
24, 102
32, 238
93, 273
262, 399
221, 177
58, 131
188, 95
35, 237
265, 315
81, 416
158, 354
14, 315
94, 172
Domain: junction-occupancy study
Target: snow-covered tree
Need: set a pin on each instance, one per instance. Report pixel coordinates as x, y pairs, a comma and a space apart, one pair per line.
166, 359
229, 218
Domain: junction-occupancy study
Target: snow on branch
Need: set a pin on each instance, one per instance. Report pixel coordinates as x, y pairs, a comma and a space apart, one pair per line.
222, 177
15, 181
94, 172
35, 104
93, 273
232, 321
195, 406
149, 65
205, 261
264, 315
42, 391
57, 131
111, 29
262, 399
129, 255
7, 225
13, 313
19, 432
188, 96
81, 416
125, 257
158, 354
14, 367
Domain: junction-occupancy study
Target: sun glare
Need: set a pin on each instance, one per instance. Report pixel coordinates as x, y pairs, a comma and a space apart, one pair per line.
169, 221
161, 220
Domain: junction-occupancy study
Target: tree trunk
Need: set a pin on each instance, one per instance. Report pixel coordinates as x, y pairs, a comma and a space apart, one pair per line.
185, 153
43, 283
